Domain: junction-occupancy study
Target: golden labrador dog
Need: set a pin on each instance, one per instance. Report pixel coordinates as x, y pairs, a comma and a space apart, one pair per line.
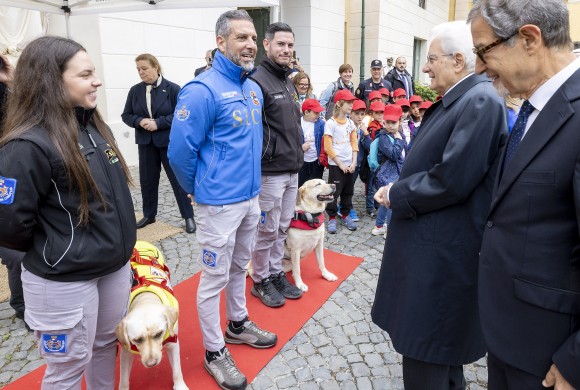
151, 320
308, 234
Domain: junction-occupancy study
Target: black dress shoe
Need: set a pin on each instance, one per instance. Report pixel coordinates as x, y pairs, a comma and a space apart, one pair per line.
144, 222
190, 225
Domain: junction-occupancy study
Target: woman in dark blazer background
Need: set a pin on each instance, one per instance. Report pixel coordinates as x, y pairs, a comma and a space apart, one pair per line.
151, 119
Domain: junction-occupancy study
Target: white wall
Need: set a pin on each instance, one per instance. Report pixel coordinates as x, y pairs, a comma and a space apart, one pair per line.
391, 27
319, 29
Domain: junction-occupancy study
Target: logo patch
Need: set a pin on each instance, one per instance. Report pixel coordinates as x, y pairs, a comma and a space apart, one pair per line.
182, 113
262, 217
229, 94
112, 156
7, 190
209, 258
254, 98
54, 343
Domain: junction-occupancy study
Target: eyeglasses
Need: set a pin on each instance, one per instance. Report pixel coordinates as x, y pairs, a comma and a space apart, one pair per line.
303, 85
483, 50
432, 58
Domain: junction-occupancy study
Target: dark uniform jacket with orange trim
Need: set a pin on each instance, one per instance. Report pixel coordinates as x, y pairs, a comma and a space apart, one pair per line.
39, 210
282, 143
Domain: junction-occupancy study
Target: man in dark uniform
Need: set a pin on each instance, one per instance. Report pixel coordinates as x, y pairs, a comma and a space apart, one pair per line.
374, 83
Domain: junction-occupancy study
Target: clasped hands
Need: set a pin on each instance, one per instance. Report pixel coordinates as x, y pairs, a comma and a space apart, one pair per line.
148, 124
382, 197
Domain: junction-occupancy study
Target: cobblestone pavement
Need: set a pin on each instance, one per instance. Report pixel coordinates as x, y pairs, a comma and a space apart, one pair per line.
338, 348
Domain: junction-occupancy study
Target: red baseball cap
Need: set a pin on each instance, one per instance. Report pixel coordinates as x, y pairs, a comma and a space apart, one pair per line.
359, 105
377, 106
416, 99
375, 95
312, 105
425, 105
343, 94
393, 113
403, 102
399, 92
384, 92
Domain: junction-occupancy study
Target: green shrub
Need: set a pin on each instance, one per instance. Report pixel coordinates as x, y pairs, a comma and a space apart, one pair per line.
425, 92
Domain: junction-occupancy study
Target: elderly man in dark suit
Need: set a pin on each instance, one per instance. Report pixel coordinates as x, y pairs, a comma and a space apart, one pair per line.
426, 296
529, 281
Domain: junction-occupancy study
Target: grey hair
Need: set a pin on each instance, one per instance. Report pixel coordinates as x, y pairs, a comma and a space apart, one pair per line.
505, 17
273, 28
455, 37
223, 25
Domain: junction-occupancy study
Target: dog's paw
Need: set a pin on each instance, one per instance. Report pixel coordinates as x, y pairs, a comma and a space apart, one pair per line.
329, 276
180, 386
302, 286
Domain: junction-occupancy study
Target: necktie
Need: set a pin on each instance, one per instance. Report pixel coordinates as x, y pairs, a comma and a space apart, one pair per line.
518, 131
148, 99
404, 78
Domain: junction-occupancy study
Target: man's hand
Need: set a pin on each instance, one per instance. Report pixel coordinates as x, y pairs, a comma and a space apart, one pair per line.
555, 379
192, 199
148, 124
381, 195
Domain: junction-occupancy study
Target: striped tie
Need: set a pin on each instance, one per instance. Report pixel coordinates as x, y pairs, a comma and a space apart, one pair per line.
518, 131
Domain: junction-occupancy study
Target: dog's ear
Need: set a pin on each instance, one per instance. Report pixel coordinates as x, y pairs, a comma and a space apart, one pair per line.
122, 336
300, 195
171, 314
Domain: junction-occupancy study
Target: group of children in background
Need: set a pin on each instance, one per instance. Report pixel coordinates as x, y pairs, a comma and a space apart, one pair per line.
369, 144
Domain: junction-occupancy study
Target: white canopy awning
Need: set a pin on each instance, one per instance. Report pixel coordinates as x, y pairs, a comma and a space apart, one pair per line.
86, 7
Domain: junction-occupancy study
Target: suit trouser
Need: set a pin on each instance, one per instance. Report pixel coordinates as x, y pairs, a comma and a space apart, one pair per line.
74, 323
151, 158
277, 203
13, 261
502, 376
419, 375
226, 235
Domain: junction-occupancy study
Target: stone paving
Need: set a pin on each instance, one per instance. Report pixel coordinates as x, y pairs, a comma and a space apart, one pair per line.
338, 348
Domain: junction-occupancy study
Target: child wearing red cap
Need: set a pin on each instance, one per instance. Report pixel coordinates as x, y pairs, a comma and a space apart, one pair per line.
376, 111
391, 156
407, 126
399, 93
312, 132
340, 143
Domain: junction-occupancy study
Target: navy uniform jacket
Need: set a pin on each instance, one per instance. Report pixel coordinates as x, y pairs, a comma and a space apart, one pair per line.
426, 296
163, 102
529, 282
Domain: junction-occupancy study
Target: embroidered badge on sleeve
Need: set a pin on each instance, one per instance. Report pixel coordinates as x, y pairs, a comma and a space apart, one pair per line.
7, 190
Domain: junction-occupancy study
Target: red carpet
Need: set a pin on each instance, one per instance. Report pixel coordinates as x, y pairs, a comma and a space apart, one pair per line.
284, 321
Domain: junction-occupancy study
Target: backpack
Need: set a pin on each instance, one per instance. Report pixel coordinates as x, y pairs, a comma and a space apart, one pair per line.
373, 157
330, 104
323, 157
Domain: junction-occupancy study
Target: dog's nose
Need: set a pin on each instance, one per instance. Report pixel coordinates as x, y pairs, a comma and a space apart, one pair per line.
151, 363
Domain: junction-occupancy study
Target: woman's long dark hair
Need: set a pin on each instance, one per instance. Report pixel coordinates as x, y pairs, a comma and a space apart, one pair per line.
40, 102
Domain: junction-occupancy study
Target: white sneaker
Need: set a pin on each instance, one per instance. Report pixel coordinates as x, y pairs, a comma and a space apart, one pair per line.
377, 231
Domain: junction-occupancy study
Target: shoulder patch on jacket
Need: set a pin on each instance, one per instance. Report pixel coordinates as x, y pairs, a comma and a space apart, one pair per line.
182, 113
7, 190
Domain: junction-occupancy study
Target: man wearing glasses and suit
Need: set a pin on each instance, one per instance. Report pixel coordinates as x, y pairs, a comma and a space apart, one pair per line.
529, 272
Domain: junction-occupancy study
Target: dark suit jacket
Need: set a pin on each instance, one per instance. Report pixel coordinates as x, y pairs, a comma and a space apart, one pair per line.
163, 102
530, 259
395, 79
426, 296
199, 71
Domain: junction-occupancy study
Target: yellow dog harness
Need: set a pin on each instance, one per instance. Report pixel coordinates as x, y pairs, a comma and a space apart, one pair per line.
151, 274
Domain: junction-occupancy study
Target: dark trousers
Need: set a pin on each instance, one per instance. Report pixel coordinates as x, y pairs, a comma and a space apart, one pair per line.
344, 189
502, 376
13, 261
418, 375
150, 160
310, 170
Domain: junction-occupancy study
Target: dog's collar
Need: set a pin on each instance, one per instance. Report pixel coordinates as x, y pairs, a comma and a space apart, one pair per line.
307, 221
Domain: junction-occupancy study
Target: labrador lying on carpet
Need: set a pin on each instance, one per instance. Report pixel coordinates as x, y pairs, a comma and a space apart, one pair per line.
306, 231
151, 321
